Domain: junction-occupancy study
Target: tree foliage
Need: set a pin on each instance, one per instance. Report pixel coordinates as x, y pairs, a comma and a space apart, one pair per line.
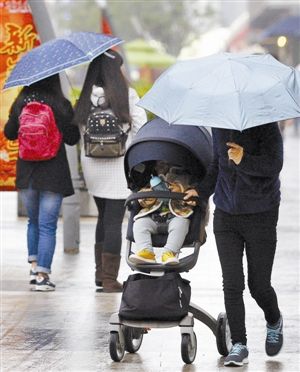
173, 23
68, 15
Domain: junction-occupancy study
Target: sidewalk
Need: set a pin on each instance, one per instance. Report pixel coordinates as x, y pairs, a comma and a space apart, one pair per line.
67, 330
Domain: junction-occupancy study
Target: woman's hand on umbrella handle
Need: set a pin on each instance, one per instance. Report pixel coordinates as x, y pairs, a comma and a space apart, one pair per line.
235, 152
189, 194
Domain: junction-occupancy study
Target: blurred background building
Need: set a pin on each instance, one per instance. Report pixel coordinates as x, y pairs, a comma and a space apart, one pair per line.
184, 29
250, 26
276, 26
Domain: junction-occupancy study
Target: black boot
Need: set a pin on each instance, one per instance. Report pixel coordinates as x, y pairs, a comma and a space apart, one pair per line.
110, 269
98, 248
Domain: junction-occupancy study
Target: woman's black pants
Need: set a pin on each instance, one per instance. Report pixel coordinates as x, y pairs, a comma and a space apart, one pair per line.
256, 233
109, 225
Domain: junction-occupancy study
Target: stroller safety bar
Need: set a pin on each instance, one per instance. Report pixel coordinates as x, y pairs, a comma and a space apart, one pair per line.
159, 195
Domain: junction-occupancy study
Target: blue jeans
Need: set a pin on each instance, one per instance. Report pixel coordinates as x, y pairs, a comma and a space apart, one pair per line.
43, 211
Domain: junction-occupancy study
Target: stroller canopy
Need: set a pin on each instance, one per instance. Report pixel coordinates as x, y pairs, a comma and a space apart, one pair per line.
187, 146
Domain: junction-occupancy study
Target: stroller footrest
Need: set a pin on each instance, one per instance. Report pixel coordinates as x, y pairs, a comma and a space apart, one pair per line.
187, 321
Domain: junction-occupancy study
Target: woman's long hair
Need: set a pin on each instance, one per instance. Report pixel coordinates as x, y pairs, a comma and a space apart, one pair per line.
105, 71
49, 90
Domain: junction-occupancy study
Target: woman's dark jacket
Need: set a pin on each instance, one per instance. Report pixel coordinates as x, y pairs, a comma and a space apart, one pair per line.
49, 175
253, 186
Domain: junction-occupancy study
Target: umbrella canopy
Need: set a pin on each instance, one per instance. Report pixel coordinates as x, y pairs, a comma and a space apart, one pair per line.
226, 90
59, 54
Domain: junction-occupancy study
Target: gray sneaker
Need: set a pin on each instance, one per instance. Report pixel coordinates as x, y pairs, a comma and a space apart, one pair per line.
238, 355
274, 338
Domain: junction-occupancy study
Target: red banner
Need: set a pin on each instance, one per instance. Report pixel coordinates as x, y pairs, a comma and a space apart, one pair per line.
17, 36
106, 27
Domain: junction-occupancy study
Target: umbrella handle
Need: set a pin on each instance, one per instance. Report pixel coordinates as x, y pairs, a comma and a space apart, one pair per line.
230, 162
71, 86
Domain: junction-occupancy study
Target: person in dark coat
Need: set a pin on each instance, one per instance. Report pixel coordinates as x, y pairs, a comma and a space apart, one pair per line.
43, 184
244, 177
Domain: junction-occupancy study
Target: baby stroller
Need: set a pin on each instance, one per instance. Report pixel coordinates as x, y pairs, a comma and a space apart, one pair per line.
191, 148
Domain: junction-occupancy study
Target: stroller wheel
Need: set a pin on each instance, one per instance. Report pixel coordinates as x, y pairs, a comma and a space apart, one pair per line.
188, 348
116, 349
133, 339
223, 336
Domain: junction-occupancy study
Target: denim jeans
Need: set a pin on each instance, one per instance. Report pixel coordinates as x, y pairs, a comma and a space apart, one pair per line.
43, 211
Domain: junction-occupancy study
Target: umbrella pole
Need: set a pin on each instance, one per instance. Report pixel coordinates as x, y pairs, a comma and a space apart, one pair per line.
230, 162
71, 205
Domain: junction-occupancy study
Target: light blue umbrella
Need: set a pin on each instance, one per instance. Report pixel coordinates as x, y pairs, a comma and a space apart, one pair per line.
226, 90
59, 54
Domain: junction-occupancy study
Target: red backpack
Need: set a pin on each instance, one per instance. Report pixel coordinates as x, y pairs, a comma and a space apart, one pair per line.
39, 137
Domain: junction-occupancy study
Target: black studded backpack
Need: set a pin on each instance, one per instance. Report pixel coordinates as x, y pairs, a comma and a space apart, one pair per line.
104, 135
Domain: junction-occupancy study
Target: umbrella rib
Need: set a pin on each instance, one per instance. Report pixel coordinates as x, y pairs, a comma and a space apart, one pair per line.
289, 93
111, 43
287, 90
217, 86
237, 93
233, 78
108, 42
270, 71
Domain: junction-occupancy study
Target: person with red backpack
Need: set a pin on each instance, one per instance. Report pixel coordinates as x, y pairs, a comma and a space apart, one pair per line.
41, 119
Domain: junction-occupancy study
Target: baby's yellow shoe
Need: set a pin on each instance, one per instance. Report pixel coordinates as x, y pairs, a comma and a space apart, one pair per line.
169, 258
143, 256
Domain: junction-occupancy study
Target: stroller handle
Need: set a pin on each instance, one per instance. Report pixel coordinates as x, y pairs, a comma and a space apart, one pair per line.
159, 195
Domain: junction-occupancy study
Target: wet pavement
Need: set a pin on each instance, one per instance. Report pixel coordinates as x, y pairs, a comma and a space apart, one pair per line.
67, 330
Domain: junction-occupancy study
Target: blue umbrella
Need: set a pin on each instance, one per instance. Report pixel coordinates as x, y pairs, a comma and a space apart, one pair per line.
225, 90
289, 26
59, 54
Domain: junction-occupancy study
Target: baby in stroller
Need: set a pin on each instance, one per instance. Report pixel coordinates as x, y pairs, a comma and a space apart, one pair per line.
157, 148
173, 215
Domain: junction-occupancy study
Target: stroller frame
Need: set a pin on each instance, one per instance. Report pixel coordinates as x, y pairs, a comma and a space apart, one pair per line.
191, 148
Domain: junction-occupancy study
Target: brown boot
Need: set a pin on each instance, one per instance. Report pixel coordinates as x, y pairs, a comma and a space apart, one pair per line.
98, 248
110, 269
